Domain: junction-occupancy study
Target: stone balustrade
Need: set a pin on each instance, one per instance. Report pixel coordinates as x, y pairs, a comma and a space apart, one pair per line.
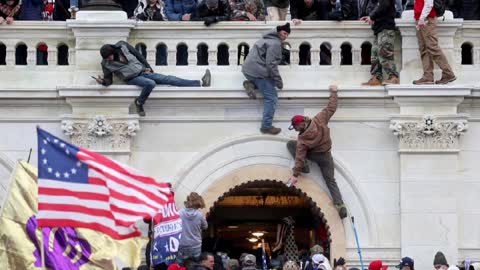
321, 52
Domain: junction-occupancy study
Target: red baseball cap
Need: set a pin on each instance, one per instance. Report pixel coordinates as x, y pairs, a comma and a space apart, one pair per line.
297, 119
377, 265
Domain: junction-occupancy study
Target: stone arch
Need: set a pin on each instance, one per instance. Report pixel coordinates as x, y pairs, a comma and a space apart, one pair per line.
230, 163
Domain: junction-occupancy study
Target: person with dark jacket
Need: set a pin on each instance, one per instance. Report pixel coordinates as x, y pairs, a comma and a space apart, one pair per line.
345, 10
309, 10
193, 223
261, 70
212, 11
150, 10
31, 10
129, 6
9, 10
471, 10
180, 10
314, 143
129, 65
382, 19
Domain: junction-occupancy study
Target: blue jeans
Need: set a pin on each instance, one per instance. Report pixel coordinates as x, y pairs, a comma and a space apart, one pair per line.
149, 81
270, 98
186, 253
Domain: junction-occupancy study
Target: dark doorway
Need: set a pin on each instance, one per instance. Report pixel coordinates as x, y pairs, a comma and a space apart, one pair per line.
258, 207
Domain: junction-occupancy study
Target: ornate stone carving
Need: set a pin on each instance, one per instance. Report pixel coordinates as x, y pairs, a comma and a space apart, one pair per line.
429, 135
101, 134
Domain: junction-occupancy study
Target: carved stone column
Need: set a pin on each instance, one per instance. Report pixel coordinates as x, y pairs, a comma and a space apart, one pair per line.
101, 133
101, 121
429, 129
430, 134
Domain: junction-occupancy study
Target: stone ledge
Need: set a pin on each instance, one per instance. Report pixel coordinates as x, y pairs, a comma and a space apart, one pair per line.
171, 92
409, 90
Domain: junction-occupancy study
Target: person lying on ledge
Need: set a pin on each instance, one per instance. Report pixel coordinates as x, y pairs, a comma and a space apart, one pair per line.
129, 65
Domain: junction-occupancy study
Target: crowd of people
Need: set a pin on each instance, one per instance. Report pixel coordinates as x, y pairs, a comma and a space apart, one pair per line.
212, 11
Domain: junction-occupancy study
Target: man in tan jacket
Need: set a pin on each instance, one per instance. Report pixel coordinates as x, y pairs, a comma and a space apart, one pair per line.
314, 143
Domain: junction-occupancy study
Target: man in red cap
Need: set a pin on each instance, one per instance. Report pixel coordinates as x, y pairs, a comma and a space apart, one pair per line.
315, 144
377, 265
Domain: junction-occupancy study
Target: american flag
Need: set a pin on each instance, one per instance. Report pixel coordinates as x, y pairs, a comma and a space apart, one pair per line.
80, 188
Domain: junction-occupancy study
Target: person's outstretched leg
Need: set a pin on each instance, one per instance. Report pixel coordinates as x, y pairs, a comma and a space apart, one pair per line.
148, 85
325, 162
270, 98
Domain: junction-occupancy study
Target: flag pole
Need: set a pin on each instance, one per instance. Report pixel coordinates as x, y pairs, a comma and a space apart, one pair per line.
358, 243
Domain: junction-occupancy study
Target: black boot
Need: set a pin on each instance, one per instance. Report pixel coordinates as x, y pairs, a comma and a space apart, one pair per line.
140, 110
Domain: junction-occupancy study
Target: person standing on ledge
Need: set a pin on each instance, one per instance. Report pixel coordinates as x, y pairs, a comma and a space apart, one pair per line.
129, 65
381, 16
426, 18
261, 70
314, 143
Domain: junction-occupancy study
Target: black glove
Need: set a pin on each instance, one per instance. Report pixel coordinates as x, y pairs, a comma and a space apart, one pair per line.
210, 20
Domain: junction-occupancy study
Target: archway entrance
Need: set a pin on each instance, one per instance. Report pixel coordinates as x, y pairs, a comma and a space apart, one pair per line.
254, 211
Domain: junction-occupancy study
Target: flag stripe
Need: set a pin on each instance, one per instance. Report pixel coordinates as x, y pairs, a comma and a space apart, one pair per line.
66, 215
76, 194
69, 200
48, 222
117, 218
94, 188
124, 190
125, 169
127, 185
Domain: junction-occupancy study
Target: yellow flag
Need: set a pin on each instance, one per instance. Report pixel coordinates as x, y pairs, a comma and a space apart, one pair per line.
64, 248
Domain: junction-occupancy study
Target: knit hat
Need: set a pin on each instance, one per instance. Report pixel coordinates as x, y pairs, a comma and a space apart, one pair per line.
297, 119
440, 259
106, 50
211, 3
377, 265
285, 27
406, 261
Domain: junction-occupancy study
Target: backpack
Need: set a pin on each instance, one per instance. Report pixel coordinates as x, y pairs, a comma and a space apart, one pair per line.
439, 6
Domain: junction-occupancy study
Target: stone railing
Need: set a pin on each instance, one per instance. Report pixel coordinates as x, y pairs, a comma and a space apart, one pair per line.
321, 52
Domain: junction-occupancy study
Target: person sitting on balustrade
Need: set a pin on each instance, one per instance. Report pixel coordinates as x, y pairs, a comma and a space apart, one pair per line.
309, 10
212, 11
180, 10
9, 10
150, 10
247, 10
128, 64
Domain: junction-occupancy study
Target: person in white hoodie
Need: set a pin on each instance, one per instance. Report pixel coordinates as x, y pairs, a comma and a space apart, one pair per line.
193, 222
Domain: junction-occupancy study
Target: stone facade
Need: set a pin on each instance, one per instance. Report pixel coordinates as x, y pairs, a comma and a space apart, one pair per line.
406, 157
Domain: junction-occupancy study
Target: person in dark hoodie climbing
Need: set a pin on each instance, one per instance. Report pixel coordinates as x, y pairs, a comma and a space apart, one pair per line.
314, 143
193, 222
